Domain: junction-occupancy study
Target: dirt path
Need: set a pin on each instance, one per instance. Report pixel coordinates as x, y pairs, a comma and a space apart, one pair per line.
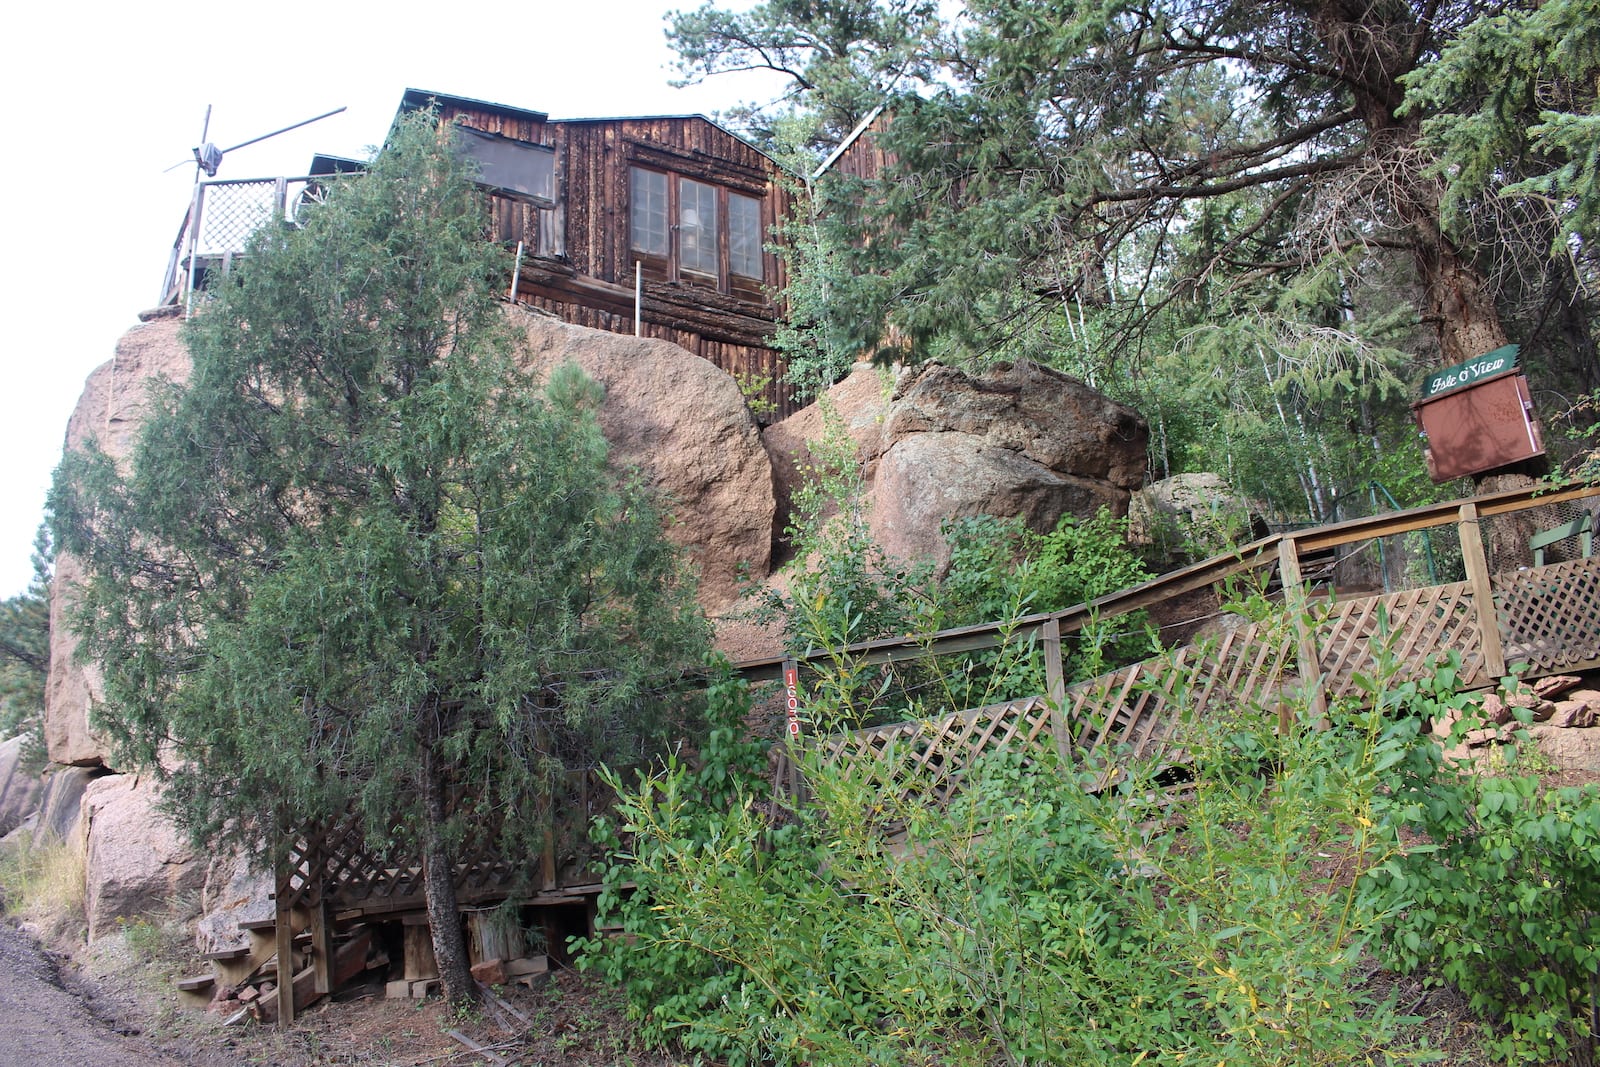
46, 1022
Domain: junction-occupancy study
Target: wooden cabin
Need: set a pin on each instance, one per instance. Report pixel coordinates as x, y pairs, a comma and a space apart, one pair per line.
672, 210
669, 214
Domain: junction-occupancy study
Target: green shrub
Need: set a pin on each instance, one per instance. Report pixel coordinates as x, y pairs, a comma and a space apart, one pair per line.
1503, 902
1029, 921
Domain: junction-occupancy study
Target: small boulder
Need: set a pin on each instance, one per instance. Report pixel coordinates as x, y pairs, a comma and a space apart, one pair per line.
490, 972
1556, 685
1496, 710
1573, 714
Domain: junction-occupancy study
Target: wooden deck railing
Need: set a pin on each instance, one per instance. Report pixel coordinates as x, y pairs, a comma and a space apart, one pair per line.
1543, 619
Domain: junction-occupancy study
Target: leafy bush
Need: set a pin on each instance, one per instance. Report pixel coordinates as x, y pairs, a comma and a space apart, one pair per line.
1030, 921
1502, 902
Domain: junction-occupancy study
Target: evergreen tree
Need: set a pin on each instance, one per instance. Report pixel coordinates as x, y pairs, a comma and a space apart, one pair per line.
357, 559
25, 653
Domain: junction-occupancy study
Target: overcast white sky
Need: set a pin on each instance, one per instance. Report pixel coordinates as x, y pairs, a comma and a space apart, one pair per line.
105, 95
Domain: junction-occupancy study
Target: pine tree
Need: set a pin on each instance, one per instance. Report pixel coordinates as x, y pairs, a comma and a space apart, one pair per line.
359, 560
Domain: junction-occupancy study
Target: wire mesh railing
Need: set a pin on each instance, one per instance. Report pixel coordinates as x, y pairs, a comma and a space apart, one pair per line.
222, 217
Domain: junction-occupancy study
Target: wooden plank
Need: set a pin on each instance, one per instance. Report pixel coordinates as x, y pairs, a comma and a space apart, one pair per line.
1056, 686
322, 945
1477, 568
302, 991
284, 937
1294, 597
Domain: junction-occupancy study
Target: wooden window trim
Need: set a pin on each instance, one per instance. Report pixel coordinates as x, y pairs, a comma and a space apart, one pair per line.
670, 268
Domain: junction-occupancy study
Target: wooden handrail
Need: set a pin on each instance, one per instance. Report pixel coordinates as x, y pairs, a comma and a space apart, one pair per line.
1252, 556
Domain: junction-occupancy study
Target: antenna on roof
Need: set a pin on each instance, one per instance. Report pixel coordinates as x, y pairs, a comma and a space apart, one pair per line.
208, 157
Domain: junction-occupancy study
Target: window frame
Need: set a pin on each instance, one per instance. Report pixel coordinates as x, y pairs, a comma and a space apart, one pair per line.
672, 266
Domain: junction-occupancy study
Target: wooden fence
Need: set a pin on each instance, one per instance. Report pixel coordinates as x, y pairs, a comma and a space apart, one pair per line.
1543, 619
1547, 618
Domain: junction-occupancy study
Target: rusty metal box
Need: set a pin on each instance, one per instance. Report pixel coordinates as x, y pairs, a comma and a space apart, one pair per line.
1479, 427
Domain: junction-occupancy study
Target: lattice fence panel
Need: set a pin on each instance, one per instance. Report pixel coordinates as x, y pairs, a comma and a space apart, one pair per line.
1133, 712
926, 761
1417, 626
1550, 616
1139, 711
231, 212
334, 855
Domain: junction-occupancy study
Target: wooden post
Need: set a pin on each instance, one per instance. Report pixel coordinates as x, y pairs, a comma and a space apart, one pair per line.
791, 687
1056, 687
283, 931
322, 944
1294, 602
1477, 567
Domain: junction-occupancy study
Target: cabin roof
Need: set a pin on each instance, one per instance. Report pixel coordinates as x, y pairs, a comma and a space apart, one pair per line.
322, 163
416, 99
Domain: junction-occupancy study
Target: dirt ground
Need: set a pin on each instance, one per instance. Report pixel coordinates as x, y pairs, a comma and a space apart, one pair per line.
105, 1006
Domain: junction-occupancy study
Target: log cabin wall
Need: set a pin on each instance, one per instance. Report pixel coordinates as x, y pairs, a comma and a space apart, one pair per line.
579, 249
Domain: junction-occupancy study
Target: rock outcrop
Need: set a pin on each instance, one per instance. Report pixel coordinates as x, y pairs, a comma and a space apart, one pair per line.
19, 786
234, 892
135, 864
684, 424
108, 412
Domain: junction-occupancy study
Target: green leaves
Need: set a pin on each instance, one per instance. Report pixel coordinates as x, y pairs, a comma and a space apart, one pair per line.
1502, 903
360, 554
1028, 921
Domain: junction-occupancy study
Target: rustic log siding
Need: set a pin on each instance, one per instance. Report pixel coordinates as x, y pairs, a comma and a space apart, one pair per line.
578, 263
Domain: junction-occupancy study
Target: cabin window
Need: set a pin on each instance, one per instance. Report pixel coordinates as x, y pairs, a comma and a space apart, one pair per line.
697, 227
647, 214
690, 230
509, 166
744, 236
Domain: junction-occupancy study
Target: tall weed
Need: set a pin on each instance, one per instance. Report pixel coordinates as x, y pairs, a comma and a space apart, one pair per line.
42, 880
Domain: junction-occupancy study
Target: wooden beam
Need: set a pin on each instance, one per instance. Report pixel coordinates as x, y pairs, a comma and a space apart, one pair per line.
284, 935
1477, 567
1056, 687
322, 944
1294, 602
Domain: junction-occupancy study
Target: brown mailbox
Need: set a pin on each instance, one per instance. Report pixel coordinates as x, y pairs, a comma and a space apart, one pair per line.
1478, 427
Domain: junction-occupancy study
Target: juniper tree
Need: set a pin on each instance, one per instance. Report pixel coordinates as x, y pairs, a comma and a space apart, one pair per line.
25, 654
359, 559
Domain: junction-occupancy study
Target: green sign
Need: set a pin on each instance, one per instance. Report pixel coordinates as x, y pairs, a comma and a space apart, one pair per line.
1471, 372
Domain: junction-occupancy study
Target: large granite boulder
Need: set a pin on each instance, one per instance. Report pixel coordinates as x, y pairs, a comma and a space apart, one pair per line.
19, 786
135, 862
858, 403
937, 443
684, 424
108, 412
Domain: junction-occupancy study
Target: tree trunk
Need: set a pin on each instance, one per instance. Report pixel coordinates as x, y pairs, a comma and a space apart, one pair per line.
1373, 47
439, 886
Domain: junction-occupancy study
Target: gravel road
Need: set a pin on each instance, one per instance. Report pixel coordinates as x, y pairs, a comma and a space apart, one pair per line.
44, 1022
